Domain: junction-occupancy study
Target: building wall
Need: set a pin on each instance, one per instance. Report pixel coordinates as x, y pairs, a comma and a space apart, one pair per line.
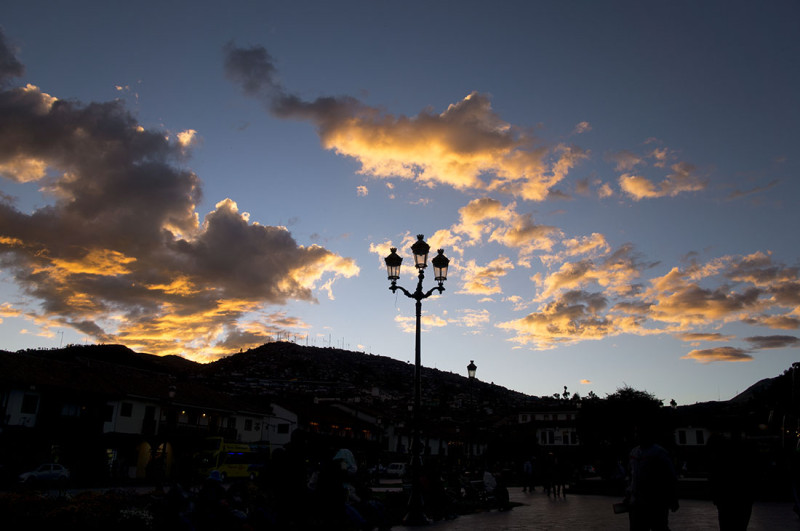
279, 427
22, 408
689, 436
557, 437
129, 416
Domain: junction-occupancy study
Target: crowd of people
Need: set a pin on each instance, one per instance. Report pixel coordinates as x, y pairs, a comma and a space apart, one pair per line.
334, 494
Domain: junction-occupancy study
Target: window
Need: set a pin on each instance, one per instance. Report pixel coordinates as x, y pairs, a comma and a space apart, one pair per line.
126, 409
70, 410
283, 428
30, 404
681, 436
551, 437
248, 425
701, 437
232, 423
108, 413
523, 418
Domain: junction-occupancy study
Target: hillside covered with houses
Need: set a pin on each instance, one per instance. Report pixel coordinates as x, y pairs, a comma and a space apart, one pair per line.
114, 415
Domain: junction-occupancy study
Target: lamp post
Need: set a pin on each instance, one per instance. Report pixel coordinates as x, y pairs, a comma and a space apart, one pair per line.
420, 249
471, 368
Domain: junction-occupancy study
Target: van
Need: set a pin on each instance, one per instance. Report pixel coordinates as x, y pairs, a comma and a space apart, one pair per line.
396, 469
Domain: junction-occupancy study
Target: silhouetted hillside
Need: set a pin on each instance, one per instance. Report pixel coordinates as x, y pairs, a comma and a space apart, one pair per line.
119, 355
289, 370
283, 370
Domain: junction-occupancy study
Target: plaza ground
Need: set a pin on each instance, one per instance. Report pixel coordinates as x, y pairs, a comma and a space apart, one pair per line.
591, 512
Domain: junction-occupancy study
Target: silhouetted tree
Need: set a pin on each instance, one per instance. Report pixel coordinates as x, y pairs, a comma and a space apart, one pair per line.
606, 427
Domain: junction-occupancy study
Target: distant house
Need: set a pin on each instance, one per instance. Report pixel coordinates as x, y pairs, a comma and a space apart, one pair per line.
555, 426
691, 436
137, 419
21, 407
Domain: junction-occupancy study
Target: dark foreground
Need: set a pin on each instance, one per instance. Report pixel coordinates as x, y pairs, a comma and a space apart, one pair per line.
593, 512
144, 508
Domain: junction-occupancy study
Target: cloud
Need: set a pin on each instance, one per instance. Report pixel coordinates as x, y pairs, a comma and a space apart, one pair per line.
484, 280
752, 289
119, 253
615, 272
574, 316
474, 318
362, 191
594, 244
605, 190
487, 219
768, 342
10, 67
466, 146
682, 179
718, 354
702, 336
408, 324
738, 194
626, 160
187, 138
586, 381
582, 127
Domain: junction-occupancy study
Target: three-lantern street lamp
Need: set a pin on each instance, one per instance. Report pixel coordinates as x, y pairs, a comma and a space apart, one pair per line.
420, 249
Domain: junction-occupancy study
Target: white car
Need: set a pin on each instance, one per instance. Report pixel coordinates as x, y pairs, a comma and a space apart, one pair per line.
45, 472
396, 470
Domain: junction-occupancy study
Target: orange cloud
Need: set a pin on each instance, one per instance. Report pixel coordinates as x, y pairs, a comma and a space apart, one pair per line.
408, 324
573, 317
718, 354
474, 318
466, 146
484, 280
615, 272
683, 179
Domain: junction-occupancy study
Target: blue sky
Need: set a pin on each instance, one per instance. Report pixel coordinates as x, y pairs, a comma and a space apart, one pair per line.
615, 184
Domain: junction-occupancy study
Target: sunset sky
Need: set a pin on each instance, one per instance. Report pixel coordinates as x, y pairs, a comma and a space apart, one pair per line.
616, 183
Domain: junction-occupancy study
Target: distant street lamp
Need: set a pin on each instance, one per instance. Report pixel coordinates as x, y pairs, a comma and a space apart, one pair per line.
420, 249
471, 368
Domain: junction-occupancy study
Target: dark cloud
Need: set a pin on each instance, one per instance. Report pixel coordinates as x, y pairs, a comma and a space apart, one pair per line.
10, 67
737, 194
253, 69
119, 252
766, 342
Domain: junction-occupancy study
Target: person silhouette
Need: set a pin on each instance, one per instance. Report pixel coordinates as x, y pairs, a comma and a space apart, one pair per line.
652, 491
733, 479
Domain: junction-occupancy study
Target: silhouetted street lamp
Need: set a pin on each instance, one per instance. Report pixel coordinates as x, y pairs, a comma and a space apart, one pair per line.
416, 512
471, 368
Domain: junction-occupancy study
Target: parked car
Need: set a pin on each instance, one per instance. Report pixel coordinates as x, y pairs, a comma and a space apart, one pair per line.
44, 473
396, 470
